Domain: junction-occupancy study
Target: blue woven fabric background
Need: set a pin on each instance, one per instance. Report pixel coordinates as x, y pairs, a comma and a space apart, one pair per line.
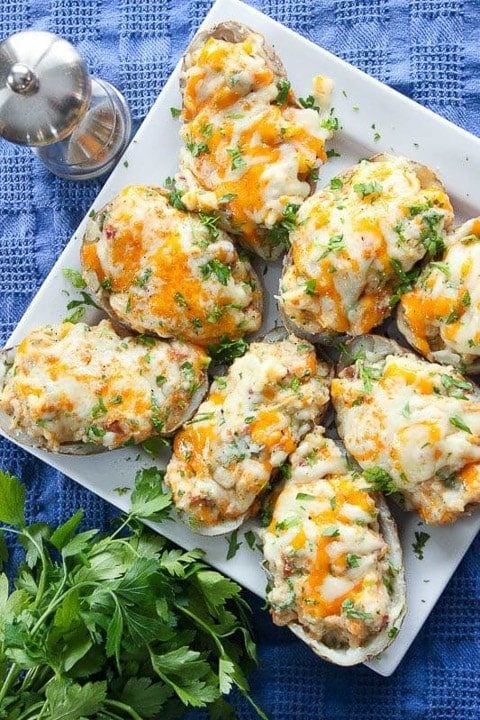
427, 49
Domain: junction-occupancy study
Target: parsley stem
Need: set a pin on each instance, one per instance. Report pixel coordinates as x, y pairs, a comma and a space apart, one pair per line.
28, 713
204, 627
13, 674
121, 706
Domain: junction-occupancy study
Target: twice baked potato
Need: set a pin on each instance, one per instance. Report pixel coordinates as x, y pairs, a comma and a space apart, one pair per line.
413, 426
251, 152
333, 557
440, 316
159, 270
252, 419
79, 389
356, 244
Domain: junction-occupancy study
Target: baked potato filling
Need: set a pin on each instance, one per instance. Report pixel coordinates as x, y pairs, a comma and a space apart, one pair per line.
441, 313
415, 429
357, 243
168, 272
252, 419
79, 384
250, 151
327, 561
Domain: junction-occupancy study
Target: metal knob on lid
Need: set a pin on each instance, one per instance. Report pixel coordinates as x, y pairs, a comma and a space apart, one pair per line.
48, 101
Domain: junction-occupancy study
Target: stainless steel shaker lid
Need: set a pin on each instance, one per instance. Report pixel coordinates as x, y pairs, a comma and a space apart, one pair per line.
44, 88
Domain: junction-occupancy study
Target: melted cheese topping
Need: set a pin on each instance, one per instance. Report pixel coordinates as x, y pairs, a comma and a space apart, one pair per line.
326, 558
252, 419
442, 312
75, 383
354, 242
420, 423
244, 154
166, 273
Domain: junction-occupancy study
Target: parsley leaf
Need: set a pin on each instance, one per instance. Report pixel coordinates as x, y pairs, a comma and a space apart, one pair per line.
367, 189
457, 422
379, 480
283, 90
216, 267
227, 350
419, 544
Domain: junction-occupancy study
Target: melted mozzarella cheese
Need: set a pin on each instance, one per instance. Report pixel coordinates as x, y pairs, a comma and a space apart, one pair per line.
75, 383
420, 423
442, 312
325, 556
252, 419
167, 273
354, 242
245, 154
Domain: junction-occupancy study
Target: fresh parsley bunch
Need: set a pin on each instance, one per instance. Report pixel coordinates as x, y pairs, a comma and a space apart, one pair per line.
115, 626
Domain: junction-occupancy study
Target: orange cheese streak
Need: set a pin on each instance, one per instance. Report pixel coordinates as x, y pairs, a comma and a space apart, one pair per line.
267, 429
421, 311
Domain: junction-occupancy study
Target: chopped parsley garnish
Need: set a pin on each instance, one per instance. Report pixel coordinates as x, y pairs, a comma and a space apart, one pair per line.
174, 195
93, 432
250, 538
458, 423
419, 544
238, 161
106, 284
285, 471
145, 340
228, 197
393, 632
99, 409
431, 239
453, 385
227, 350
287, 523
279, 233
116, 400
313, 174
331, 531
283, 90
451, 317
310, 287
334, 243
197, 149
201, 417
309, 102
367, 374
142, 279
233, 545
180, 300
379, 480
220, 381
466, 299
336, 183
352, 561
216, 267
75, 278
330, 123
175, 112
406, 280
210, 220
367, 189
354, 613
443, 267
450, 480
332, 153
304, 496
160, 380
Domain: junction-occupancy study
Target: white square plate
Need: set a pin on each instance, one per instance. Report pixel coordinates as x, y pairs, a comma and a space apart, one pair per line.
405, 128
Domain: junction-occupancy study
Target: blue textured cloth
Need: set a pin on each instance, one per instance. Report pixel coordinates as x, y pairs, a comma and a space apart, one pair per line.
427, 49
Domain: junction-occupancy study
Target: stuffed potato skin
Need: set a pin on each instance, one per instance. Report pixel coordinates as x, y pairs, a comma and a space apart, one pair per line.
413, 426
162, 271
250, 151
355, 244
73, 385
439, 316
333, 557
251, 420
